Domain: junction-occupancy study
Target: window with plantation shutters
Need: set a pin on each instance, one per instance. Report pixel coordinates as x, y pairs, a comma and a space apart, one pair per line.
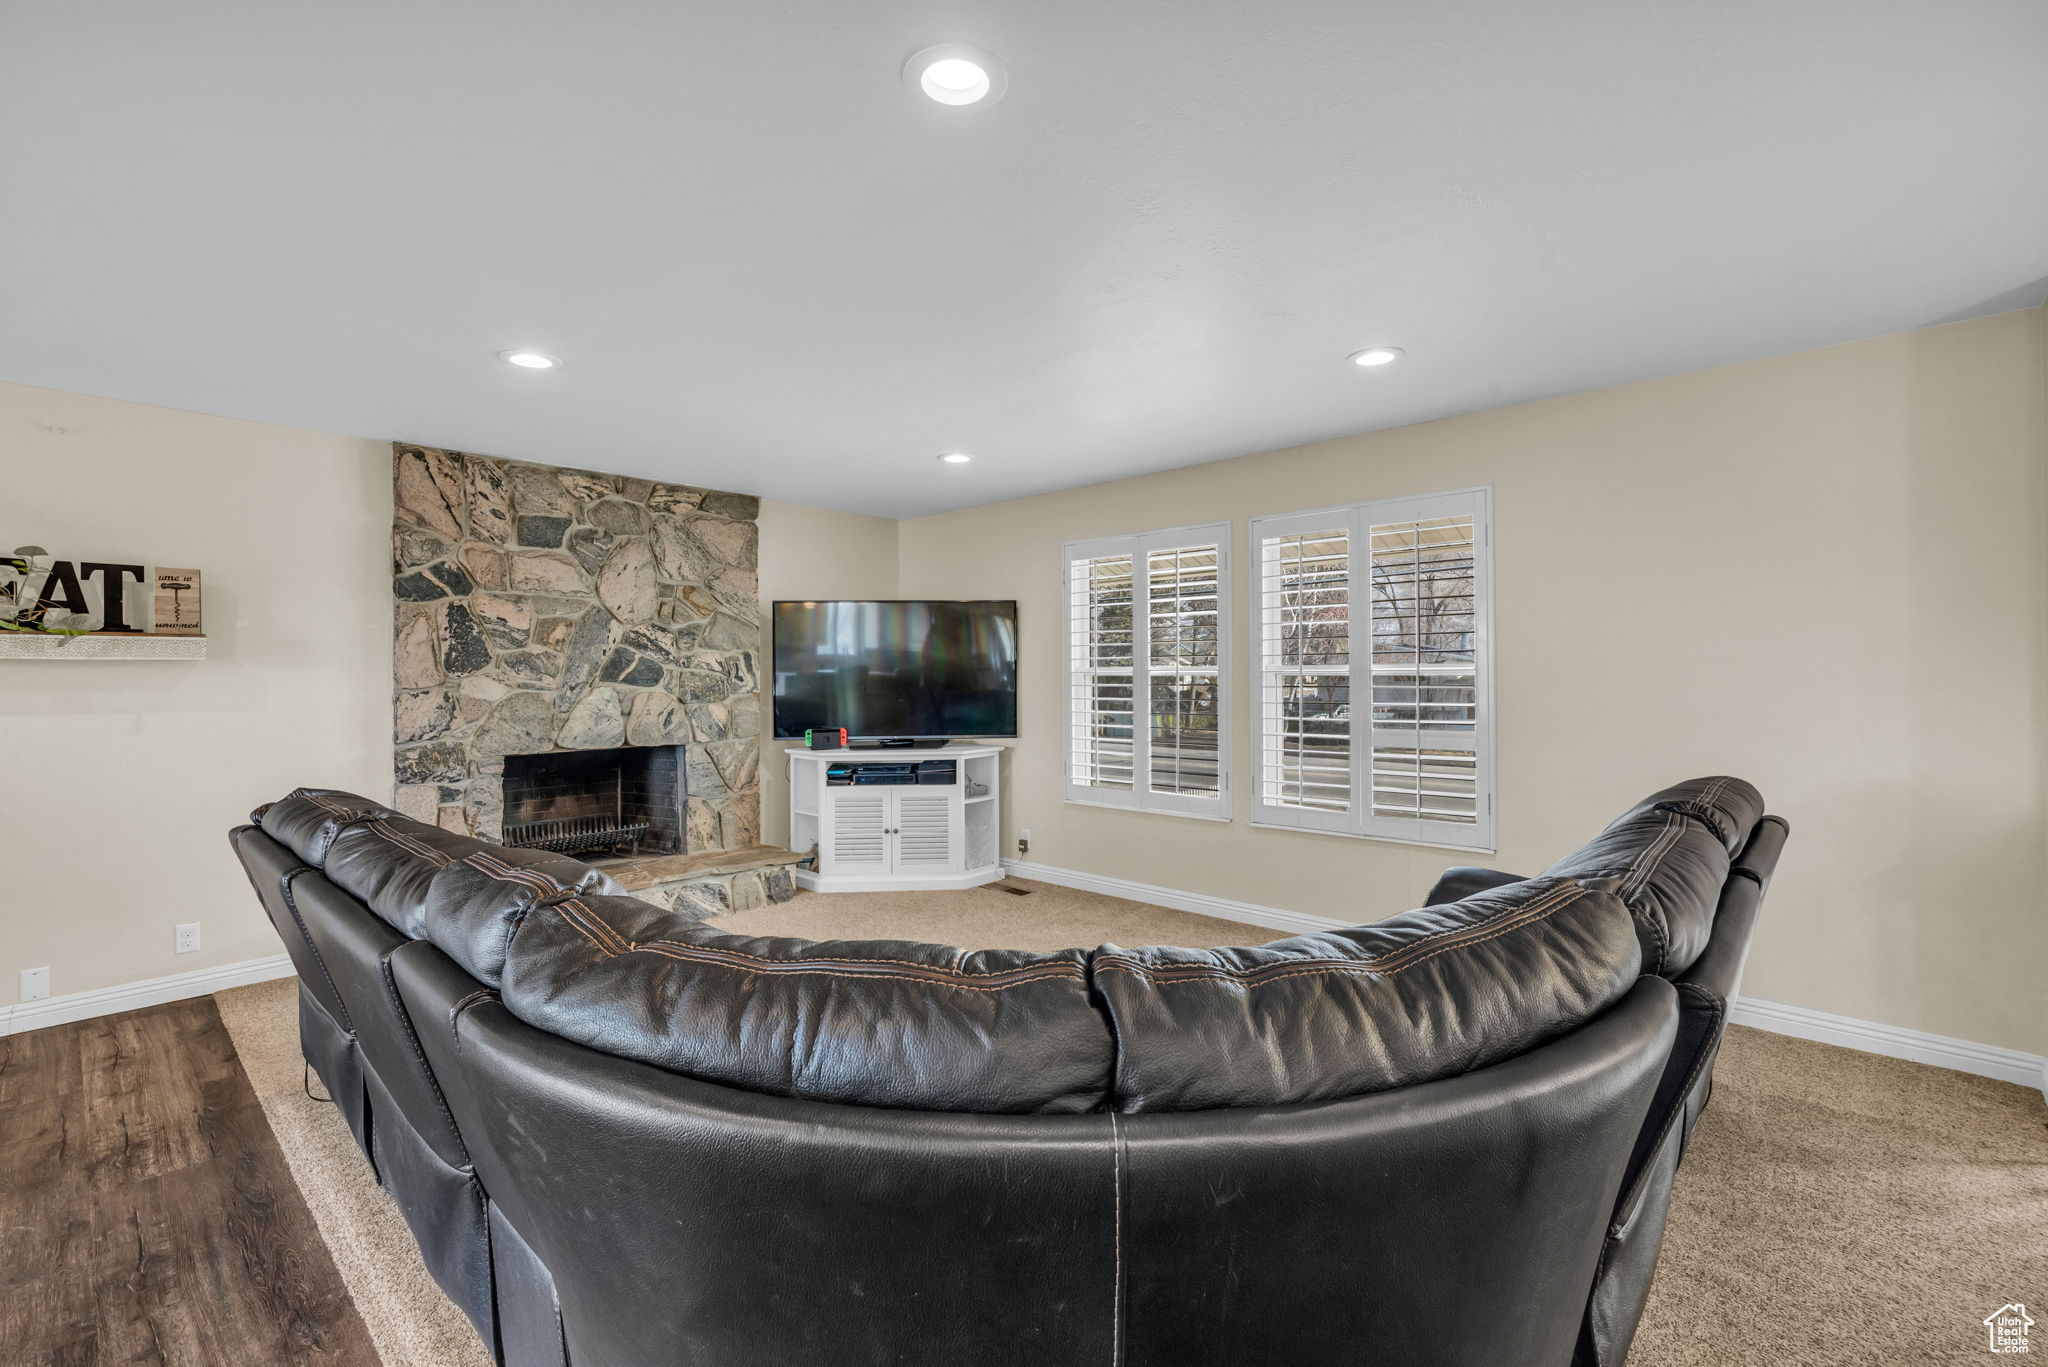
1148, 671
1374, 712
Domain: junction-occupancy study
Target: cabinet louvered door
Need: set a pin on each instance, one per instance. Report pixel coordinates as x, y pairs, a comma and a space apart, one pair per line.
926, 837
857, 836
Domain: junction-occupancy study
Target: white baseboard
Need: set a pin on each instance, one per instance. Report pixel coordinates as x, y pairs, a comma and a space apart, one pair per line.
1201, 903
1893, 1041
106, 1001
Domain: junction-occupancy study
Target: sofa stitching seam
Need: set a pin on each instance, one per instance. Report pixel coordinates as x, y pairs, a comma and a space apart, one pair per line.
780, 965
799, 969
1116, 1299
1416, 952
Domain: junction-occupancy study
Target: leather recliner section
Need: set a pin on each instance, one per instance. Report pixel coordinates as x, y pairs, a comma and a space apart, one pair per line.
1671, 867
332, 1054
1423, 995
388, 864
872, 1023
665, 1206
307, 820
1389, 1228
326, 1031
355, 946
444, 1208
419, 1155
476, 902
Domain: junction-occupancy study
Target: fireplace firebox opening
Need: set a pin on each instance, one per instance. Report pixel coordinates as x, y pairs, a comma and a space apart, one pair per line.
597, 804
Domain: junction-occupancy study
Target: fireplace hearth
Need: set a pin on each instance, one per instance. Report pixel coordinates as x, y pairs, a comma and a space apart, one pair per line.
597, 804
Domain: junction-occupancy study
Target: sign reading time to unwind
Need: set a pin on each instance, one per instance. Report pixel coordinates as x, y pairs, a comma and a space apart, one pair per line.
39, 595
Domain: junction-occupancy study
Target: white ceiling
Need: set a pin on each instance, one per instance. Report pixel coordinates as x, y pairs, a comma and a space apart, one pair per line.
771, 269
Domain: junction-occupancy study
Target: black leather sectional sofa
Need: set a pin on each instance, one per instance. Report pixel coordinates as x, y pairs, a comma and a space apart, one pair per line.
624, 1140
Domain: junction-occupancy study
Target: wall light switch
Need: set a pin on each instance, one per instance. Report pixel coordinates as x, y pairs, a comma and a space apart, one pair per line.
188, 937
35, 984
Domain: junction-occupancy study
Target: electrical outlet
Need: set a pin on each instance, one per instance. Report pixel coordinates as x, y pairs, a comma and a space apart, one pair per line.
1023, 843
35, 984
188, 937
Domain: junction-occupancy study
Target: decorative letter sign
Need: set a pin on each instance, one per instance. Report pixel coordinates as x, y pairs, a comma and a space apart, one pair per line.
55, 601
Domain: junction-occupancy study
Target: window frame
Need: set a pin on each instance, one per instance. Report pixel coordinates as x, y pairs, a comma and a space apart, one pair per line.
1359, 821
1140, 546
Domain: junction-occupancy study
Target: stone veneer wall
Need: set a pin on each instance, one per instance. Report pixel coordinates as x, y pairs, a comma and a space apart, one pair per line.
543, 609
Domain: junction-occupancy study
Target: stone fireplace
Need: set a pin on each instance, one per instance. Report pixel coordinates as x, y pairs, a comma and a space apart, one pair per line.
548, 616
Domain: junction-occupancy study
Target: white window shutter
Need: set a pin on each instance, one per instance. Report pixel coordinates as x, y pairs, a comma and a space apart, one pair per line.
1101, 673
1148, 670
1375, 670
1304, 730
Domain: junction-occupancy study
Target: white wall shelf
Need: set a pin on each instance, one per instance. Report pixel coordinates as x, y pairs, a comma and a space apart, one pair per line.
22, 645
891, 837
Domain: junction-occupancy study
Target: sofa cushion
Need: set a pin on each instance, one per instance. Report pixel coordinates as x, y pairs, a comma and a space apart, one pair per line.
871, 1023
1670, 866
307, 820
475, 901
1728, 807
389, 863
1422, 995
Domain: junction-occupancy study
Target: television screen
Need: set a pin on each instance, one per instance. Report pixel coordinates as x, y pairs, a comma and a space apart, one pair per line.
885, 669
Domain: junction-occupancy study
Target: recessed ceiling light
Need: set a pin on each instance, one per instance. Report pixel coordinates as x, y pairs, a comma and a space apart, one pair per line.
955, 74
1376, 355
956, 458
530, 360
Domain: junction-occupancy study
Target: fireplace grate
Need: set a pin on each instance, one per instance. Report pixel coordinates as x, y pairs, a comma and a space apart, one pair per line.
575, 834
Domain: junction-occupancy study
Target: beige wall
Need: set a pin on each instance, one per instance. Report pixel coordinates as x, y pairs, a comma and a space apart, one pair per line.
811, 553
1823, 572
119, 778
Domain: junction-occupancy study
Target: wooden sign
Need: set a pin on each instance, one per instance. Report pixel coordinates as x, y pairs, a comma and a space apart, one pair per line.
177, 603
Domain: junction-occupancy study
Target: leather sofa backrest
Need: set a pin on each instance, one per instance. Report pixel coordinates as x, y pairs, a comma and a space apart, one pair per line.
1426, 994
475, 902
1727, 806
307, 820
873, 1023
1672, 852
388, 863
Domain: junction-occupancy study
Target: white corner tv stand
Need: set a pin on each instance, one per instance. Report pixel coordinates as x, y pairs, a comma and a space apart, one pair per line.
885, 837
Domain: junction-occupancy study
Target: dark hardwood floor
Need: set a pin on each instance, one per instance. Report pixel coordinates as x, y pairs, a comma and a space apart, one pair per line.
146, 1214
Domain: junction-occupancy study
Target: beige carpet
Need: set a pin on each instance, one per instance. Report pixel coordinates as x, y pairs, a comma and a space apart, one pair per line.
1836, 1207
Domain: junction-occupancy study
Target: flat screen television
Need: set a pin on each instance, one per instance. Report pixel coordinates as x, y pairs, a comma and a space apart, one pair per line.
925, 668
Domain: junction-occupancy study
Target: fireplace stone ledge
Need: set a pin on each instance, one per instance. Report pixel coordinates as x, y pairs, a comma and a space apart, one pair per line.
708, 885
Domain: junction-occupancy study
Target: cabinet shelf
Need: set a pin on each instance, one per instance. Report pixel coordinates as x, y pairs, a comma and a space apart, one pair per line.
883, 837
